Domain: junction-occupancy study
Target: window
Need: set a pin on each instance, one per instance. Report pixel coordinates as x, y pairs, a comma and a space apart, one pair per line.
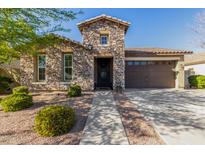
41, 67
68, 60
104, 39
137, 63
150, 63
143, 63
130, 63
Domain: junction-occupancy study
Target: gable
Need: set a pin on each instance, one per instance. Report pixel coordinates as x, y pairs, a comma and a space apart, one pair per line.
103, 17
63, 44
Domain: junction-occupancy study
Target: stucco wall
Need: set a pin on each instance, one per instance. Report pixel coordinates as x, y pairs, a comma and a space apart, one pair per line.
179, 82
198, 69
193, 70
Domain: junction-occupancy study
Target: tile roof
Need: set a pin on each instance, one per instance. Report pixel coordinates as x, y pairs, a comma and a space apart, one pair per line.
103, 16
67, 39
14, 64
157, 51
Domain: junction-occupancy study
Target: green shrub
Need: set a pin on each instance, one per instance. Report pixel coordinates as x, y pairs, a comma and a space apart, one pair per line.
5, 79
16, 102
20, 90
4, 86
54, 120
197, 81
74, 90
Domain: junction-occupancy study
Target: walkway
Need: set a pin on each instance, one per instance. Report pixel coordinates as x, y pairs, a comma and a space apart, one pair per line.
104, 125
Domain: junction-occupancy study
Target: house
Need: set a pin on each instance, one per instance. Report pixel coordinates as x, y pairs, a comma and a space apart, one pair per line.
11, 70
194, 65
103, 61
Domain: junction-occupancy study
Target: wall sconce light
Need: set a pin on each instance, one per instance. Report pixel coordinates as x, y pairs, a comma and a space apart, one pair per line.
90, 47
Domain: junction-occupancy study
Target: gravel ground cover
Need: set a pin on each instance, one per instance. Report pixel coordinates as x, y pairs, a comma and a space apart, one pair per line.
17, 127
138, 130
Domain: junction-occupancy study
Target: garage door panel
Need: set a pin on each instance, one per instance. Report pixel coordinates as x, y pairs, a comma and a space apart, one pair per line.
150, 76
135, 80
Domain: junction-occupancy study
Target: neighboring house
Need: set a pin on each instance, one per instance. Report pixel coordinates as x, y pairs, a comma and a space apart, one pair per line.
11, 70
103, 61
194, 65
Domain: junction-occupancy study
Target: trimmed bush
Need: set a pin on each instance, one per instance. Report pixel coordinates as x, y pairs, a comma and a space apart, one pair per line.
20, 90
197, 81
74, 90
54, 120
16, 102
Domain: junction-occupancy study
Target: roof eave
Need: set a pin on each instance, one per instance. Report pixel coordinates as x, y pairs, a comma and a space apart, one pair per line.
92, 20
194, 63
173, 52
72, 41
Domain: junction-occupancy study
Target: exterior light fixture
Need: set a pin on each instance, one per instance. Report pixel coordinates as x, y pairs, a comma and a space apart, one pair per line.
90, 47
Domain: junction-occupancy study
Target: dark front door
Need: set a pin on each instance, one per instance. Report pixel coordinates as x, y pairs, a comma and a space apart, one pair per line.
104, 72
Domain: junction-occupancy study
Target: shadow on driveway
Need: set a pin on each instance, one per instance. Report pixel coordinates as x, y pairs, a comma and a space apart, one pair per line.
179, 115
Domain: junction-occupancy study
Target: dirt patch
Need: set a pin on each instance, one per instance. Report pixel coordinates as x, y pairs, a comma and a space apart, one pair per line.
17, 127
138, 130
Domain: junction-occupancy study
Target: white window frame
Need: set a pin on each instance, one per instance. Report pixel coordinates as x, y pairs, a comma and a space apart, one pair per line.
41, 67
67, 67
103, 35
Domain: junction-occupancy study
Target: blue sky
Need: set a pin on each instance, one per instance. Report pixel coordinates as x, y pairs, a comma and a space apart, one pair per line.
166, 28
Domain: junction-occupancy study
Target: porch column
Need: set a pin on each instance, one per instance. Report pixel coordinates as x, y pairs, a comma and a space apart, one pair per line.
179, 82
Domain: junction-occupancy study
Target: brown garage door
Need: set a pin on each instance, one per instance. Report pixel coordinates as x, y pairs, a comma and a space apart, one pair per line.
149, 74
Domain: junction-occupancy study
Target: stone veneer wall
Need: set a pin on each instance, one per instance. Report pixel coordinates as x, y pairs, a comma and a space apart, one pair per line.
115, 48
83, 60
82, 68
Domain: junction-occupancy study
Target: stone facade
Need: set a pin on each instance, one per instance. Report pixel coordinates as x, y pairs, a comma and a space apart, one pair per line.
82, 70
84, 66
83, 59
115, 48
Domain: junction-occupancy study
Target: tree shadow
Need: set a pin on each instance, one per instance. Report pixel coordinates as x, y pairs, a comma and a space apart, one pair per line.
174, 111
138, 129
16, 133
103, 125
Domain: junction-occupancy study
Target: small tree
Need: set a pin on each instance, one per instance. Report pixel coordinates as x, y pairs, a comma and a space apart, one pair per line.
199, 29
22, 31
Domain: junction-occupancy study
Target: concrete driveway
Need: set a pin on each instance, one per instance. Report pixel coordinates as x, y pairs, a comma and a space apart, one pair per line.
177, 115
